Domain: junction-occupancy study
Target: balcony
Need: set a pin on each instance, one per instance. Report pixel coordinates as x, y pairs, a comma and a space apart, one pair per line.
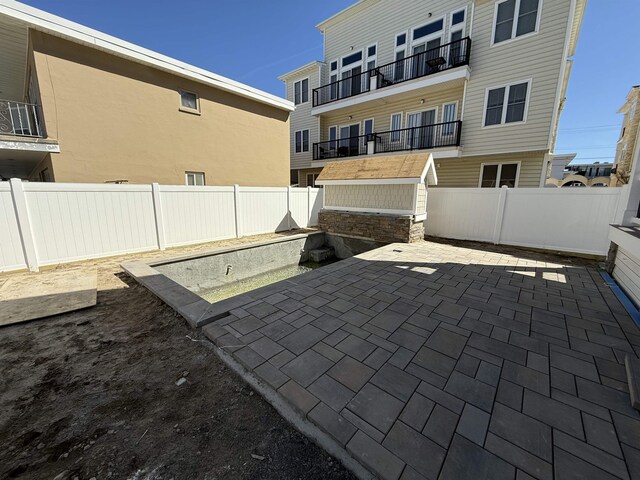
20, 119
407, 139
430, 62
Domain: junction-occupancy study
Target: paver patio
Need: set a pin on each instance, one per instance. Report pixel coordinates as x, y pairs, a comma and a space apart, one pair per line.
440, 361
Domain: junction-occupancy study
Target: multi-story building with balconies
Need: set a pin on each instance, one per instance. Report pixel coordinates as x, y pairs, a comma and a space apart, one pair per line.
480, 84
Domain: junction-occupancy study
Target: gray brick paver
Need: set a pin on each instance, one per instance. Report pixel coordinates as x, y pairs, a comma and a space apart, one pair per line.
376, 407
415, 449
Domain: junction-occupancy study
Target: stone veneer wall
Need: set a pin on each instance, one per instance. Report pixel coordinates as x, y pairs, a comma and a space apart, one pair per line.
379, 227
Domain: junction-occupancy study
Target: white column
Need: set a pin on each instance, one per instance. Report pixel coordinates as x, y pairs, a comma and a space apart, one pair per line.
289, 207
309, 206
497, 228
373, 83
157, 210
236, 203
371, 147
24, 224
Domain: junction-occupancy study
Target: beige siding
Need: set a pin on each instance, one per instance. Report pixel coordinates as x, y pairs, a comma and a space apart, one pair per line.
381, 112
465, 172
625, 273
537, 57
421, 204
384, 197
381, 22
301, 118
302, 176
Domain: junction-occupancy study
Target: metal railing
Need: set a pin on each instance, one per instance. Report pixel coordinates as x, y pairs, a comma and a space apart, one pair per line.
419, 138
20, 119
439, 59
345, 147
345, 88
438, 135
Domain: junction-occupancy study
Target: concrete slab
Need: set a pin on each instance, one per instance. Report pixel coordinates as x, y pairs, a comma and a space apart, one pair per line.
45, 294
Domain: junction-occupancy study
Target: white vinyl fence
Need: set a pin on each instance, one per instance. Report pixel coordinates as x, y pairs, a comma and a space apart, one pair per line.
50, 223
564, 219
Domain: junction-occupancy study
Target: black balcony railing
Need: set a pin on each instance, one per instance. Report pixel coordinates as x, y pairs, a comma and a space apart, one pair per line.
345, 147
435, 60
21, 119
416, 138
419, 138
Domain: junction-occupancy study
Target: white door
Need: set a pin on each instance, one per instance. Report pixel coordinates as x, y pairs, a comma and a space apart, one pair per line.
421, 128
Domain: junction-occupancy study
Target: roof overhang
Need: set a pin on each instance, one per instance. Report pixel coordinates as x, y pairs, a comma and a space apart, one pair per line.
386, 170
300, 70
58, 26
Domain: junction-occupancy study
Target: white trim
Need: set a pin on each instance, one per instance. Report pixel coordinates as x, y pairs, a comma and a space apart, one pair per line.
455, 117
561, 78
302, 150
427, 38
368, 58
505, 103
473, 11
194, 173
48, 23
506, 162
514, 27
308, 79
463, 26
393, 129
294, 73
369, 210
449, 75
30, 146
182, 108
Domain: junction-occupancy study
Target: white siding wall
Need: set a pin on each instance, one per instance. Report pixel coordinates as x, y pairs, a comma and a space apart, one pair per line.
301, 118
626, 273
69, 222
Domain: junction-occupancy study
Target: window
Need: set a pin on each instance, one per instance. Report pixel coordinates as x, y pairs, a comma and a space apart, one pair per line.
333, 137
194, 178
499, 175
448, 117
400, 53
188, 100
457, 17
301, 91
401, 39
515, 18
396, 126
333, 80
428, 29
372, 57
507, 104
302, 141
368, 126
311, 179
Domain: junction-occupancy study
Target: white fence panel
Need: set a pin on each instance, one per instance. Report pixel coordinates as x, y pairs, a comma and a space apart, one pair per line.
566, 219
316, 205
11, 253
299, 205
197, 214
462, 213
263, 209
78, 221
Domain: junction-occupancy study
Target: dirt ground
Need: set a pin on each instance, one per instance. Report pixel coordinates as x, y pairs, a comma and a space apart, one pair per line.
93, 394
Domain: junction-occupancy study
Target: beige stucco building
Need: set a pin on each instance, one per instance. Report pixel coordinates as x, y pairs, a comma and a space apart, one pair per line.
81, 106
480, 84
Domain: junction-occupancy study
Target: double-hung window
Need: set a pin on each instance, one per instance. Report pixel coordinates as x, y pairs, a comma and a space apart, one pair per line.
515, 18
507, 104
301, 91
448, 119
302, 141
498, 175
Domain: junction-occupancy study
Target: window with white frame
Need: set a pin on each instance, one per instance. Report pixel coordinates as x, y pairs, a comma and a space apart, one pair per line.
188, 100
311, 179
396, 126
372, 56
448, 117
400, 52
301, 91
194, 178
302, 141
333, 80
497, 175
515, 18
333, 138
507, 104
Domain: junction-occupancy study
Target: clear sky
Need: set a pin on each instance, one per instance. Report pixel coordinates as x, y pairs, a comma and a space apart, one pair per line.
255, 41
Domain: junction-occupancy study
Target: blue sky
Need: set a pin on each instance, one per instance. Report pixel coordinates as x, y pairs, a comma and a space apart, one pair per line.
254, 41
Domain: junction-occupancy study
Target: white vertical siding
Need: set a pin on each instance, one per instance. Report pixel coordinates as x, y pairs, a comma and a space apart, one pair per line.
11, 253
78, 221
197, 214
263, 210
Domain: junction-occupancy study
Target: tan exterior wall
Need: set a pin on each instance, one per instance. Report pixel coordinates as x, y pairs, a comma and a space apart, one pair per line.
115, 119
384, 197
465, 171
